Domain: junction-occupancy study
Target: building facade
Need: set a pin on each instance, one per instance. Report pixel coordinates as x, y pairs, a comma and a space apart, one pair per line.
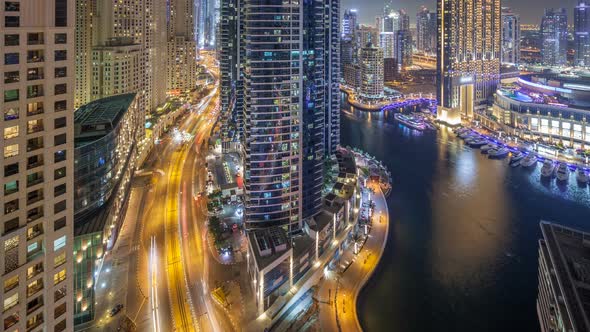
545, 109
182, 48
554, 37
101, 24
371, 63
468, 64
510, 37
563, 302
349, 25
286, 98
38, 145
425, 31
107, 132
582, 34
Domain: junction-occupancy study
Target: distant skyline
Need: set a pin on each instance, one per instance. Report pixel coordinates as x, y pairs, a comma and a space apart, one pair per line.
530, 10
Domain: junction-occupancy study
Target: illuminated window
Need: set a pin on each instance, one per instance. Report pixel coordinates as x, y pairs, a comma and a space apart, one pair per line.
59, 243
10, 132
11, 150
59, 277
11, 301
59, 259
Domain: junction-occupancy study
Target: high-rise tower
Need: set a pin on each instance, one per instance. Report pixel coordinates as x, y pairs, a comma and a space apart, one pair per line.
510, 37
290, 76
582, 33
554, 35
468, 55
426, 31
182, 48
38, 164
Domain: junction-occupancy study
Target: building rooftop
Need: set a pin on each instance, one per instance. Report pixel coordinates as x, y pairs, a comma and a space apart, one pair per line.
268, 245
320, 221
569, 250
96, 119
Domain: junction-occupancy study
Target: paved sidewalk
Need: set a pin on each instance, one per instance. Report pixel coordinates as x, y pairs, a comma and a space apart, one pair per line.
113, 281
338, 293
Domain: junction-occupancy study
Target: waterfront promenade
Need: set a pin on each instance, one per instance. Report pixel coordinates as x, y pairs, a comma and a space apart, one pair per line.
337, 294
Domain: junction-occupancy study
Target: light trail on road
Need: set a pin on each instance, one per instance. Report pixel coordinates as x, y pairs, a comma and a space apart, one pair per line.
154, 285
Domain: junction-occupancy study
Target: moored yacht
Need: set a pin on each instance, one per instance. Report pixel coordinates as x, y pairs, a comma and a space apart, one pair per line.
581, 175
516, 158
529, 160
486, 148
410, 121
478, 142
548, 168
498, 153
562, 173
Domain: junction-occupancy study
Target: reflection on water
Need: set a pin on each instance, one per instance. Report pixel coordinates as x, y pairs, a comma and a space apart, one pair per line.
462, 251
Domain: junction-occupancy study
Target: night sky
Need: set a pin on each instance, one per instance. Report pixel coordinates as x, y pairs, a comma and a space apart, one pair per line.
530, 10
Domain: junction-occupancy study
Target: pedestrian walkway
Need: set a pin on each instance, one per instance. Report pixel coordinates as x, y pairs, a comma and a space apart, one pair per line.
113, 281
338, 294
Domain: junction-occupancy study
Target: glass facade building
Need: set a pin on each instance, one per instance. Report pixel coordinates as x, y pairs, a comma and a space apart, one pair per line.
107, 133
468, 55
289, 75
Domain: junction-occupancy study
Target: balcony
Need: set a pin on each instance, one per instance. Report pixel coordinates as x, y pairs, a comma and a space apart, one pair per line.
34, 162
34, 180
35, 57
35, 108
35, 287
59, 294
11, 206
35, 39
34, 196
35, 128
11, 320
35, 91
34, 270
34, 144
34, 214
34, 232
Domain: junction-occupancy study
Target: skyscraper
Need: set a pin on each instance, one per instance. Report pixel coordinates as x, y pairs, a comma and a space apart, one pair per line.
38, 163
371, 62
425, 31
582, 33
285, 96
468, 64
108, 34
349, 24
182, 48
554, 35
563, 302
510, 37
332, 76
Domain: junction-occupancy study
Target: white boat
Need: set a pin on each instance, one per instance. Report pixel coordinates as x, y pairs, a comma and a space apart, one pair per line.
476, 143
465, 134
486, 148
460, 130
562, 173
581, 175
529, 160
516, 158
498, 153
410, 121
548, 168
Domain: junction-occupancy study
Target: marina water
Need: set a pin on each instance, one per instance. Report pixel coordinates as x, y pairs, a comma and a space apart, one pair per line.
462, 248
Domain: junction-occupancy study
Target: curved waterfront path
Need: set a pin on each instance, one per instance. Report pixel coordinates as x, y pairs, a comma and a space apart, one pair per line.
338, 294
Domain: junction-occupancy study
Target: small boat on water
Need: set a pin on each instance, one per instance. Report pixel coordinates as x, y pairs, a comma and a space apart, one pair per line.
548, 168
516, 158
581, 175
486, 148
466, 134
562, 173
410, 121
498, 153
460, 130
529, 160
476, 143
